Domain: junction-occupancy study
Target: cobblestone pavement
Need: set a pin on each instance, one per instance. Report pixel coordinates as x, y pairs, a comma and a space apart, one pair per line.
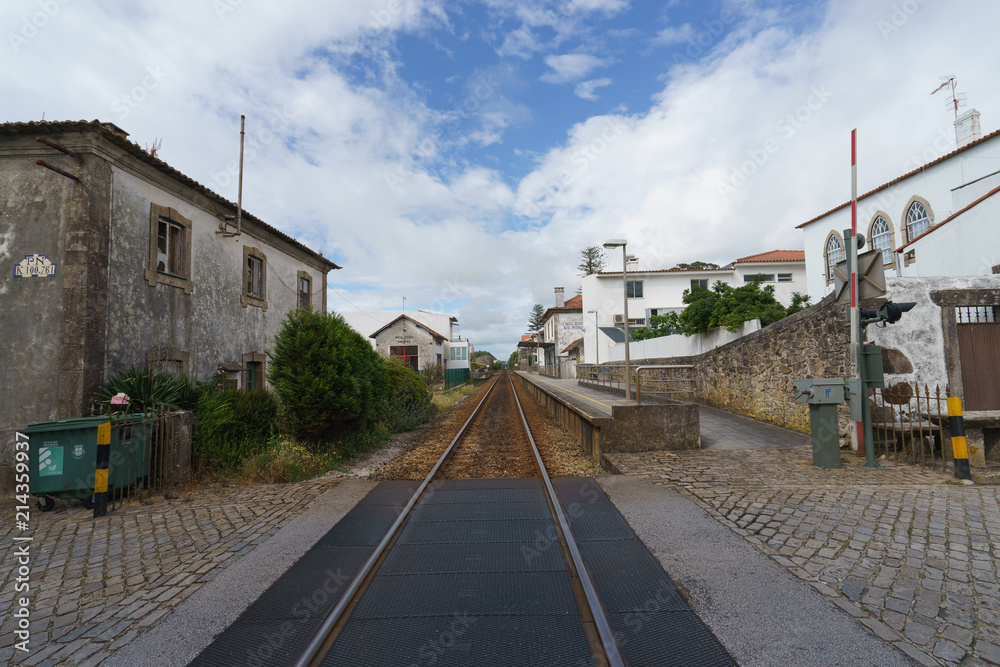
908, 552
97, 584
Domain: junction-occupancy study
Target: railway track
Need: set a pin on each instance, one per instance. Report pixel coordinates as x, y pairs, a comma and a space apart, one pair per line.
498, 424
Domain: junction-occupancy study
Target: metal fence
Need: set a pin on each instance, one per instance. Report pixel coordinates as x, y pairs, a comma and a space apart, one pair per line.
606, 375
675, 382
908, 422
142, 456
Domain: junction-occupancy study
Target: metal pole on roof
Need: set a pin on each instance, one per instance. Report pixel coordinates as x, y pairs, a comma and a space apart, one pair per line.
239, 192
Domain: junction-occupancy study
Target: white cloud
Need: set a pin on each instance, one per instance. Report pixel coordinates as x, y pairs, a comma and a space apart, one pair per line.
587, 89
570, 67
361, 168
674, 35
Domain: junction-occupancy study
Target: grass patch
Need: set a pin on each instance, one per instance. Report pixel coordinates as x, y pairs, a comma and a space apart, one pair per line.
446, 400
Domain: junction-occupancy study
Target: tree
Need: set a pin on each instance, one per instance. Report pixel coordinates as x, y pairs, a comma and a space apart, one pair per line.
535, 318
592, 260
326, 377
659, 325
695, 266
799, 302
512, 360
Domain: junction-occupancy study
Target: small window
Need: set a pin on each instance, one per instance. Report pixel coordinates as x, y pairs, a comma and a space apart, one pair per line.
917, 221
459, 353
170, 248
255, 277
699, 282
637, 321
759, 277
634, 288
784, 277
881, 236
254, 290
305, 292
407, 354
834, 254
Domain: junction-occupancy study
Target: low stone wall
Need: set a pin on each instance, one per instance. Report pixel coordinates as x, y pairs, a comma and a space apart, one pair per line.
753, 375
631, 428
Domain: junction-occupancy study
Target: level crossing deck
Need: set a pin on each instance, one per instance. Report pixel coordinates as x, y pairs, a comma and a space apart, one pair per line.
477, 576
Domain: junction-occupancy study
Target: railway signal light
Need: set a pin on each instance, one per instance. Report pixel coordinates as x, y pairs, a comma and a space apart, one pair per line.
889, 312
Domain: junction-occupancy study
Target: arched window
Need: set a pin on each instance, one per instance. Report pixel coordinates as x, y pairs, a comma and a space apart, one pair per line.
881, 236
834, 254
917, 221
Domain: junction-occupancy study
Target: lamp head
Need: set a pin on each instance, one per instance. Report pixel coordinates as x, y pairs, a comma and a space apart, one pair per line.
615, 243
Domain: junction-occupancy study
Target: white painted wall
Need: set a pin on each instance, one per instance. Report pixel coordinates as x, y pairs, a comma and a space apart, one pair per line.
941, 185
678, 345
968, 245
664, 291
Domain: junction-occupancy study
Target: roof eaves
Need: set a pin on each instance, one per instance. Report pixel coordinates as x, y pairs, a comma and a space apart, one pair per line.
950, 218
137, 152
919, 169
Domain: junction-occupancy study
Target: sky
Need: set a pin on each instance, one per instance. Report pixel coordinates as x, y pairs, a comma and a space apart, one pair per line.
461, 154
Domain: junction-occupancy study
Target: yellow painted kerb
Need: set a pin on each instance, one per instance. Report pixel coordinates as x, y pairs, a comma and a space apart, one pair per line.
553, 384
104, 434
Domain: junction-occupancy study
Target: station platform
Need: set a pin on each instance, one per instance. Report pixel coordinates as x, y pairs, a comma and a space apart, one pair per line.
717, 429
476, 576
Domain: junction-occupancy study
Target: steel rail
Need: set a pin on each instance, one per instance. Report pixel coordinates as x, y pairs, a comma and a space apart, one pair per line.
319, 639
607, 636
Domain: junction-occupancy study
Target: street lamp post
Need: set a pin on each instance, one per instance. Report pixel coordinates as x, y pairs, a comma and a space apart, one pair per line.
622, 243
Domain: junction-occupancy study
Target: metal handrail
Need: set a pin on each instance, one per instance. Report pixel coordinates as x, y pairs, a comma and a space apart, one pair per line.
689, 381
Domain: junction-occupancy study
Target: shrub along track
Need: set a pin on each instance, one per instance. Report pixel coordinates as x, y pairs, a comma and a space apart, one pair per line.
495, 445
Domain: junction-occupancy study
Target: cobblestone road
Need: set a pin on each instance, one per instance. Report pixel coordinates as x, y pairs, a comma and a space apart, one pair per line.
910, 553
97, 584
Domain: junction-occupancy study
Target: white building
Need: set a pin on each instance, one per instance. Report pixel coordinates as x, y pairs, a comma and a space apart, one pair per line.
562, 327
941, 219
661, 291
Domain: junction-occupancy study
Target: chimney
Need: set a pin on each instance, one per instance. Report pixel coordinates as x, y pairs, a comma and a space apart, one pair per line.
560, 297
967, 128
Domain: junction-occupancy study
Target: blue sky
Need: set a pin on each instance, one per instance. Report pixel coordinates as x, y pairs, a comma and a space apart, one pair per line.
461, 154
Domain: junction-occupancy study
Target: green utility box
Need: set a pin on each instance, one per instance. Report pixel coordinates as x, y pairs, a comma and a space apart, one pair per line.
823, 396
62, 455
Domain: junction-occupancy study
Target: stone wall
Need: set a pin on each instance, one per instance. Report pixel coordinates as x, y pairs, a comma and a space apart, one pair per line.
753, 375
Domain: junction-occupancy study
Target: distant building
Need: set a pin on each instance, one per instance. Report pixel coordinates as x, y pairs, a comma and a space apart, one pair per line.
415, 344
562, 325
658, 292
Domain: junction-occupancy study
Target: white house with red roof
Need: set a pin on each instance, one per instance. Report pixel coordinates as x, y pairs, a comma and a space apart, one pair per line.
941, 219
656, 292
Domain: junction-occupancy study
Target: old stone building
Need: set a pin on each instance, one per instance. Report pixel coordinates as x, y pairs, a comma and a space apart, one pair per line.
412, 342
115, 259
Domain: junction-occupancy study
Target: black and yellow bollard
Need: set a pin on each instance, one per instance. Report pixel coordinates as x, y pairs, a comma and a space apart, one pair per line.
959, 446
101, 470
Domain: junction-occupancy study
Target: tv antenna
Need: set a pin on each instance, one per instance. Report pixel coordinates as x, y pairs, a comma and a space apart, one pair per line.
956, 100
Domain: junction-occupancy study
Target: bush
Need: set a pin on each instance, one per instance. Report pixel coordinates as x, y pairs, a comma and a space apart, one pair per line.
232, 427
147, 389
409, 401
433, 375
326, 377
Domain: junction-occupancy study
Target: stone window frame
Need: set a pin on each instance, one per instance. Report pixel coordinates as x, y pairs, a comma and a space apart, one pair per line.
299, 277
154, 277
892, 235
827, 267
915, 199
156, 357
246, 299
254, 357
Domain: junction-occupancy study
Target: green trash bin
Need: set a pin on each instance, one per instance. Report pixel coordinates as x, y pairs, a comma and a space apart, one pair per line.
62, 456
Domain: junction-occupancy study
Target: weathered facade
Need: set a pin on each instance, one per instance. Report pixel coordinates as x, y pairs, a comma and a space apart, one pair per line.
562, 325
118, 262
414, 344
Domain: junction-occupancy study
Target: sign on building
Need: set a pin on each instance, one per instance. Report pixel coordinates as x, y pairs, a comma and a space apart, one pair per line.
34, 266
